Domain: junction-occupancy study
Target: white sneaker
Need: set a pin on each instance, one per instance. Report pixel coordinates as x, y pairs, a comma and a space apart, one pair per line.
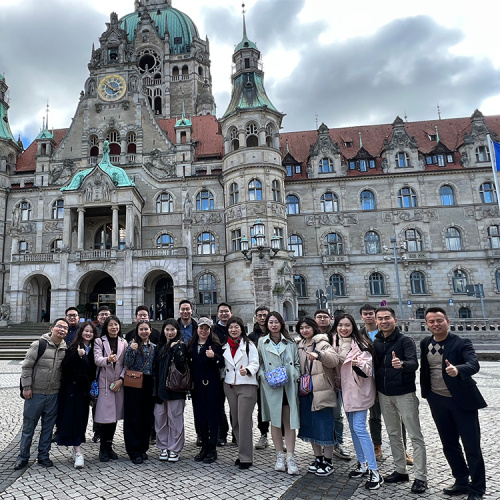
339, 452
262, 443
280, 462
164, 455
173, 457
79, 463
292, 466
374, 480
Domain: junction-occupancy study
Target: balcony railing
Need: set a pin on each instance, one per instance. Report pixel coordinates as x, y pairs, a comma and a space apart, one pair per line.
160, 252
35, 257
96, 255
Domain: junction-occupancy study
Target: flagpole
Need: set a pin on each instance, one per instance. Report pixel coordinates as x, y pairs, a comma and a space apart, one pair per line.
494, 168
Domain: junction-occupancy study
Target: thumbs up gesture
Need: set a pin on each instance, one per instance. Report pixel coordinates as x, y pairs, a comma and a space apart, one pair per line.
243, 371
134, 345
396, 362
210, 353
354, 361
451, 370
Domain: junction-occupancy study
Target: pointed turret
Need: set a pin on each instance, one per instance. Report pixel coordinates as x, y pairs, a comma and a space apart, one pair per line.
5, 132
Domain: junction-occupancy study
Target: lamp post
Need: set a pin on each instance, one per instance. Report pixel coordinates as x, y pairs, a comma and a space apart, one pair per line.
396, 269
260, 243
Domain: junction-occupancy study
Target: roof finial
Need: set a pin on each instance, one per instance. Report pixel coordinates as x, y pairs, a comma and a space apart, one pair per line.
244, 24
439, 112
287, 148
47, 117
360, 141
316, 118
406, 117
183, 110
437, 134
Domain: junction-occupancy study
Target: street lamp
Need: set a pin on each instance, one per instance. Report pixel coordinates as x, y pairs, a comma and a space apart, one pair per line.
396, 268
260, 243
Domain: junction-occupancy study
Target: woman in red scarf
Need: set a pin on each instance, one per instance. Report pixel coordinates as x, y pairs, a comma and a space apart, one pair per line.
240, 386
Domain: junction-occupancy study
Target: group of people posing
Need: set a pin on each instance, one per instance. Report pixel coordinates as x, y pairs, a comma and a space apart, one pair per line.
298, 384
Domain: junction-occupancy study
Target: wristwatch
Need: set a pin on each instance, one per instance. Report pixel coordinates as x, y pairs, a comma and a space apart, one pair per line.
402, 364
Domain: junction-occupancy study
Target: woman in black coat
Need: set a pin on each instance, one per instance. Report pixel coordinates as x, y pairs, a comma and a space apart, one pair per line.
206, 361
169, 407
78, 372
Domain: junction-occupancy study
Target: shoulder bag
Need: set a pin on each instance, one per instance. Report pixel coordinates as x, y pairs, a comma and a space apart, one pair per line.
133, 378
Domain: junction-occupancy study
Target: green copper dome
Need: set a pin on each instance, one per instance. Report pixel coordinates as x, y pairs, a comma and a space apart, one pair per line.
181, 28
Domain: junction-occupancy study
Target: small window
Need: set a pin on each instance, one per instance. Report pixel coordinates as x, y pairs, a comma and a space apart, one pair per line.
497, 279
413, 240
417, 282
494, 236
329, 202
280, 233
377, 284
289, 170
207, 289
459, 281
177, 40
25, 210
367, 199
204, 200
300, 285
206, 244
372, 243
276, 190
56, 246
453, 239
407, 198
251, 133
234, 138
482, 154
325, 166
292, 205
164, 241
164, 204
420, 313
236, 240
58, 209
447, 195
334, 244
487, 192
255, 190
23, 247
234, 194
295, 245
337, 282
402, 160
464, 313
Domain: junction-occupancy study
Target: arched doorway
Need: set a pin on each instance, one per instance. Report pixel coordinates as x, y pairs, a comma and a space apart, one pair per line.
288, 311
37, 297
159, 292
96, 289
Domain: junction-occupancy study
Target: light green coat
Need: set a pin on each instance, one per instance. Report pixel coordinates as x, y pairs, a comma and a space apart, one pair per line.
272, 399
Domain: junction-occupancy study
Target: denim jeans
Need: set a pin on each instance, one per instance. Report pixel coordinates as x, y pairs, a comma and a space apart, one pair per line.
361, 438
338, 434
44, 406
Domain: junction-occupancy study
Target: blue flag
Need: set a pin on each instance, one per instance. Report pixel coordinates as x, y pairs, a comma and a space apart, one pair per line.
496, 147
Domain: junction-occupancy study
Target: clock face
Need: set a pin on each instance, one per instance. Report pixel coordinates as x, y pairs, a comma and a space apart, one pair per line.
112, 88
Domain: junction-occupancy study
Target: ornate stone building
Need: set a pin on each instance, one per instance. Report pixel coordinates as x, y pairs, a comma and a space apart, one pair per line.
149, 198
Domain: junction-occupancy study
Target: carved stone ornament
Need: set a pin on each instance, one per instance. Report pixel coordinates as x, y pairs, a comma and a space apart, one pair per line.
160, 167
324, 144
482, 213
97, 187
207, 218
410, 215
61, 174
237, 212
344, 219
53, 226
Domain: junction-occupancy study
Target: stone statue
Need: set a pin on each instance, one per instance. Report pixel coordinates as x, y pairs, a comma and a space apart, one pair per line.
188, 205
4, 312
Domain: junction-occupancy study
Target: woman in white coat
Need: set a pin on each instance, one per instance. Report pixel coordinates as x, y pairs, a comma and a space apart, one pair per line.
240, 387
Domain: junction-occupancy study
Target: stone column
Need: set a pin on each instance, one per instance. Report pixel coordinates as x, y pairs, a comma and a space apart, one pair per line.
81, 228
115, 231
67, 228
129, 222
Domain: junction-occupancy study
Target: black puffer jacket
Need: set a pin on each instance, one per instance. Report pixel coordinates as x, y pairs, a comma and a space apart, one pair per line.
391, 381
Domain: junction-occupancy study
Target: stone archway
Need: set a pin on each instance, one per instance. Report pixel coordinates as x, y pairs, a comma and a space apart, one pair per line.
288, 314
159, 292
97, 288
37, 292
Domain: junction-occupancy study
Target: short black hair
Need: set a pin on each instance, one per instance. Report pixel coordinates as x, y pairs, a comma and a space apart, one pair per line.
185, 301
367, 307
435, 310
72, 308
386, 309
103, 308
321, 311
224, 304
262, 308
141, 308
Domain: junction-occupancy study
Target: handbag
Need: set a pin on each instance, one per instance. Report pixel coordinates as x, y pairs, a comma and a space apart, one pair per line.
277, 377
177, 381
133, 378
306, 382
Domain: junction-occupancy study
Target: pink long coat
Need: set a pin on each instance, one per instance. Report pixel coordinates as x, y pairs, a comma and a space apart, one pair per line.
109, 406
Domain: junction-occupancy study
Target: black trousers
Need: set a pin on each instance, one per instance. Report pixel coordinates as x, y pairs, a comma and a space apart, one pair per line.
454, 424
138, 417
206, 410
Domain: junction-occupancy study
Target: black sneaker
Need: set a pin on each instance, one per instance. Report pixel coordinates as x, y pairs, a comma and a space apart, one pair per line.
314, 466
361, 470
374, 480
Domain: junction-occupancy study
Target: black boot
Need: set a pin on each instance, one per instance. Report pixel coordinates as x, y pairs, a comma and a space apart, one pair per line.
211, 455
203, 453
111, 454
103, 453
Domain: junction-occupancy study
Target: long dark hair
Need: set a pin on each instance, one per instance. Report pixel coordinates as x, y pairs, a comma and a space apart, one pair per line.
363, 343
244, 336
283, 330
193, 341
164, 343
309, 322
78, 340
106, 323
138, 339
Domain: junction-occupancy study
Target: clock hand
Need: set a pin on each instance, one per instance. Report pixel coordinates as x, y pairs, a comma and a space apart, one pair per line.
111, 88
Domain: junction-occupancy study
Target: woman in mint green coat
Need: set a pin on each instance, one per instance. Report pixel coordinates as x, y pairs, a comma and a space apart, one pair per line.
280, 406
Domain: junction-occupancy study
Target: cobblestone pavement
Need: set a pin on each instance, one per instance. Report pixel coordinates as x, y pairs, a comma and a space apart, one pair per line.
187, 479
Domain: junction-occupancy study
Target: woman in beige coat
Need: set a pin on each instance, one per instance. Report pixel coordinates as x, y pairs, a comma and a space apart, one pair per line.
318, 358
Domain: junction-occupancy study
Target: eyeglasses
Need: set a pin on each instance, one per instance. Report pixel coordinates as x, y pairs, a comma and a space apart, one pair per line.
72, 315
61, 327
104, 315
261, 315
322, 316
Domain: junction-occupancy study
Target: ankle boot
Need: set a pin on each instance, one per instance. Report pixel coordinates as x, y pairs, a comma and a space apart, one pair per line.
103, 453
112, 455
203, 452
211, 455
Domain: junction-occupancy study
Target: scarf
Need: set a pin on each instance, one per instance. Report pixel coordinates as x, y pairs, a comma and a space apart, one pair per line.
233, 344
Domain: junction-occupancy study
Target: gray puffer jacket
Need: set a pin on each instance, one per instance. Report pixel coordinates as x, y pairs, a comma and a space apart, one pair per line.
43, 377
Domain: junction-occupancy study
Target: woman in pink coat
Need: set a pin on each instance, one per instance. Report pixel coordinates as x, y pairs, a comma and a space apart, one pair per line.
358, 391
109, 355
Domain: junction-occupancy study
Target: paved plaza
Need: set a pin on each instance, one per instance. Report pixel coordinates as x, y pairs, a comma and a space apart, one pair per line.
221, 480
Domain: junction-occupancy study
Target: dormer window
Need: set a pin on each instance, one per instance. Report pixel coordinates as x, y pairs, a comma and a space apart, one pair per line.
441, 160
348, 144
325, 166
402, 159
482, 154
432, 137
178, 40
247, 62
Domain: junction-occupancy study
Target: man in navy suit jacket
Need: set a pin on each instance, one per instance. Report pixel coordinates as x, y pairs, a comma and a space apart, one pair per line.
447, 365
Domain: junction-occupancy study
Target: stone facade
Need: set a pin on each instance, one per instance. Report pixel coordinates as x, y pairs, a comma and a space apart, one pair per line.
185, 193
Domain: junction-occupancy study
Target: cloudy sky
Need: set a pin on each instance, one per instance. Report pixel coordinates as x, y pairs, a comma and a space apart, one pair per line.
342, 63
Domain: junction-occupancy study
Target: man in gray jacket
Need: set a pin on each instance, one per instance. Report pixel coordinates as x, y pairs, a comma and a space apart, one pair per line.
40, 381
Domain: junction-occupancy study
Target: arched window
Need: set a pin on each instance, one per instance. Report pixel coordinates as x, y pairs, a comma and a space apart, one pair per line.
420, 313
292, 205
447, 195
207, 289
329, 202
23, 247
164, 203
58, 209
464, 313
164, 241
115, 148
269, 135
204, 200
94, 145
175, 72
459, 281
325, 166
407, 198
234, 138
377, 284
206, 244
367, 199
56, 246
334, 244
251, 134
234, 194
131, 143
417, 282
453, 239
482, 154
300, 285
185, 70
103, 237
372, 243
497, 279
25, 209
276, 190
413, 240
337, 282
487, 192
295, 245
255, 190
494, 236
402, 159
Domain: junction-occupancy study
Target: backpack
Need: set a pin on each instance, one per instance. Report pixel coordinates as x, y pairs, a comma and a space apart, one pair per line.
42, 345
